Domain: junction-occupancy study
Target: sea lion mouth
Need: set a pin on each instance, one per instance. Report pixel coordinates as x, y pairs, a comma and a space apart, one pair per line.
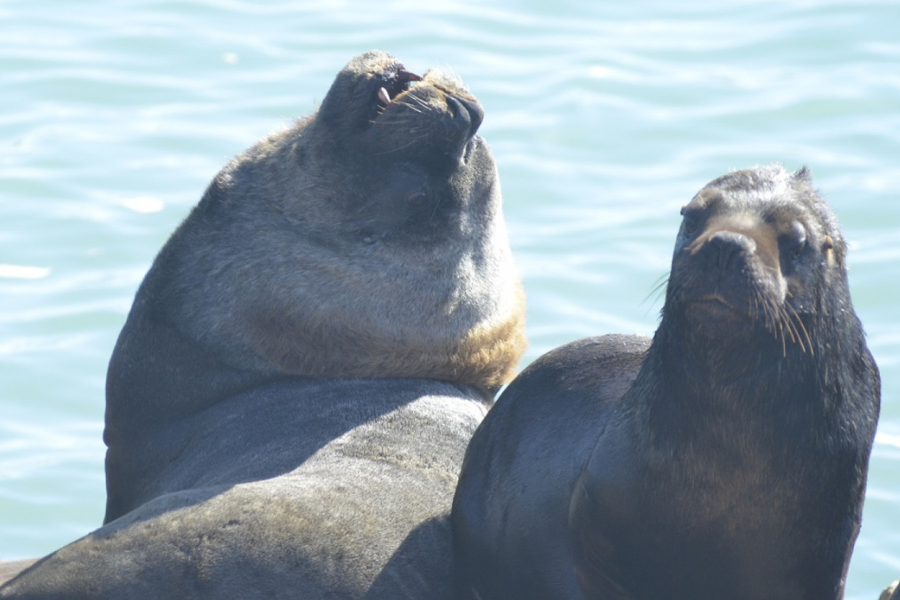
716, 307
396, 80
712, 300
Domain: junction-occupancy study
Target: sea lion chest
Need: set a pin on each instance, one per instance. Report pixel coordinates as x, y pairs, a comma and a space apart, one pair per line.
699, 507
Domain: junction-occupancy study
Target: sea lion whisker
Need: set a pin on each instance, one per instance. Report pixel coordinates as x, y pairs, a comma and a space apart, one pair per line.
412, 100
399, 148
785, 323
764, 314
783, 344
777, 324
392, 122
658, 287
379, 110
787, 326
795, 334
797, 321
420, 100
768, 318
411, 106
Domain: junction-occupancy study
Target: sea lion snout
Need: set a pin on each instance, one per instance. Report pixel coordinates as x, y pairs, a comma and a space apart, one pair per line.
733, 266
466, 110
723, 248
440, 106
379, 109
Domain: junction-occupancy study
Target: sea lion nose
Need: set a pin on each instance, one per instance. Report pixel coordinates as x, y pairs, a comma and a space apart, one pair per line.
467, 110
724, 247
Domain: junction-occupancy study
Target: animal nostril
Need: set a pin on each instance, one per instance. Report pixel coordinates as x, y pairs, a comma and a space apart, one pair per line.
724, 246
468, 109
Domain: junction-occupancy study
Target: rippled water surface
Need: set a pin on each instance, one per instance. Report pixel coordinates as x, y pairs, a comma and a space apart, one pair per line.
604, 119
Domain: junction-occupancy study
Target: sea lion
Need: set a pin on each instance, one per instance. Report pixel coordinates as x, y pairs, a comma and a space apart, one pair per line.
291, 396
11, 568
727, 458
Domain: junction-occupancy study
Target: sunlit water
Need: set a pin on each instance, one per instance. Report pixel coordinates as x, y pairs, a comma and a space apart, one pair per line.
604, 119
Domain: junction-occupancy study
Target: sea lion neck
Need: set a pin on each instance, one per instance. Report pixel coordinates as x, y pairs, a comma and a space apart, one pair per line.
699, 368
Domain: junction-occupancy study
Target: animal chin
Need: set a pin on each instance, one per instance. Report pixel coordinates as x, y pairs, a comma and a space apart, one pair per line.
713, 305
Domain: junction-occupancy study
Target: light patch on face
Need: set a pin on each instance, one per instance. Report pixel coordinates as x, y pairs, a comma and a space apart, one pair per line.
745, 223
829, 252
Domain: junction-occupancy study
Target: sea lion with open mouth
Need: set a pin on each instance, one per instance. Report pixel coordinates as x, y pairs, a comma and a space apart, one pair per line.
290, 399
727, 458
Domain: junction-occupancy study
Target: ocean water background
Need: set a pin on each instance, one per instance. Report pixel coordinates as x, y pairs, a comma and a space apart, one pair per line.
604, 118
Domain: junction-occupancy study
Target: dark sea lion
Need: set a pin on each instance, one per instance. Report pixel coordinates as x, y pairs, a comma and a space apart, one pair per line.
290, 399
726, 459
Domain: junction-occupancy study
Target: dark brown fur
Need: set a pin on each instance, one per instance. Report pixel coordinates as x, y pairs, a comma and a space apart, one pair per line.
726, 459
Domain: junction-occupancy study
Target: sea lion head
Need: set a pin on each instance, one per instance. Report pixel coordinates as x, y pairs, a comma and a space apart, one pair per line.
759, 264
407, 144
381, 113
365, 241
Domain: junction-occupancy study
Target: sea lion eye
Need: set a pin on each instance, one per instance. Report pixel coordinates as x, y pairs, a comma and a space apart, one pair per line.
797, 239
689, 223
417, 198
691, 219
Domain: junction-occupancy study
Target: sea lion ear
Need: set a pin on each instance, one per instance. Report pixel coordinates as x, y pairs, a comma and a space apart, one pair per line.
802, 174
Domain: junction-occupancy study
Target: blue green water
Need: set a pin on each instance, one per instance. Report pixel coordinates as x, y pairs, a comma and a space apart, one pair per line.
604, 119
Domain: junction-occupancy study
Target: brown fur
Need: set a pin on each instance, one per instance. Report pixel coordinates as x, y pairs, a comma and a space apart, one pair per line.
484, 357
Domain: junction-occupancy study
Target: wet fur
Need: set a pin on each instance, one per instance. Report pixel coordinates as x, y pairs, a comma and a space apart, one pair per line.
726, 459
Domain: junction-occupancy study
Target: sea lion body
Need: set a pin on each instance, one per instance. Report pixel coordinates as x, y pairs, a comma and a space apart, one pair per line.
726, 459
290, 398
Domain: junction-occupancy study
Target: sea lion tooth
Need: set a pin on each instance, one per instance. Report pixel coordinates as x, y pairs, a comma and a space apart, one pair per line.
384, 96
407, 76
